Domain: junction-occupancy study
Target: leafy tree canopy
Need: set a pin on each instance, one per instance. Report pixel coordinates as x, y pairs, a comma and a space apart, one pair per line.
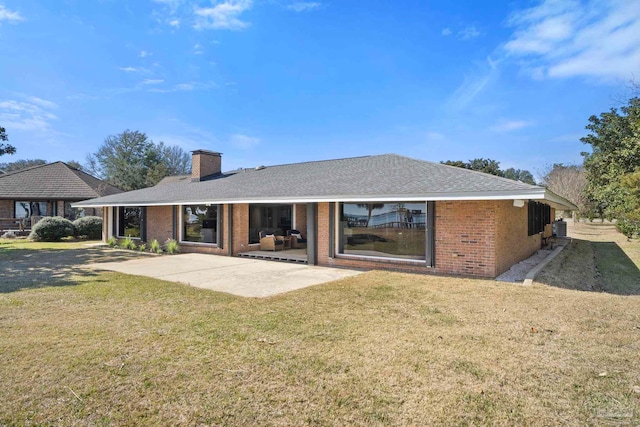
493, 167
615, 152
5, 148
20, 164
131, 161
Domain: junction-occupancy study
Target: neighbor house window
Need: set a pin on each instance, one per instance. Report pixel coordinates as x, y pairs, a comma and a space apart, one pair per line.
72, 213
275, 219
129, 219
388, 230
199, 223
26, 209
539, 215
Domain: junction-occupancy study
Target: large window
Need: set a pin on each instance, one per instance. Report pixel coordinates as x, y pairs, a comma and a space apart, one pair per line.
199, 223
539, 215
25, 209
129, 219
389, 230
275, 219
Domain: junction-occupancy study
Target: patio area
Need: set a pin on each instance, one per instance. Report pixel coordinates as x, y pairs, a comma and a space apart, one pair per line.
288, 255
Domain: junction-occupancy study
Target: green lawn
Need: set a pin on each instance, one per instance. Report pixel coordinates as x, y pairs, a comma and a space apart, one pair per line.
381, 348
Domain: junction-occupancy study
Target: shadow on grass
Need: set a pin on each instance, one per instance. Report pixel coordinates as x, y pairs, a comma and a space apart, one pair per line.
30, 269
618, 273
593, 266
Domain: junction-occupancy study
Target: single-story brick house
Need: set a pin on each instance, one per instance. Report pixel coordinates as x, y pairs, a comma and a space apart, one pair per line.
49, 190
384, 211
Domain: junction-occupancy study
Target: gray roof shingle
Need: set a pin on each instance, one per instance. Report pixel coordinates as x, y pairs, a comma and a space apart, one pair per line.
53, 181
381, 176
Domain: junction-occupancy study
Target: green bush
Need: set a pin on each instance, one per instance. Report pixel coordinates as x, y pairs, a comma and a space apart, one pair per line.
52, 229
629, 227
128, 243
155, 247
89, 226
142, 247
112, 242
171, 246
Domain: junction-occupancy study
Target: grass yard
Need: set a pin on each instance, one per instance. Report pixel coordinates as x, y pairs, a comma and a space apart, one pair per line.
377, 349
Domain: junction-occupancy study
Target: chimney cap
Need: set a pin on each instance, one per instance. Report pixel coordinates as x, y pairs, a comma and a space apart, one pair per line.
212, 153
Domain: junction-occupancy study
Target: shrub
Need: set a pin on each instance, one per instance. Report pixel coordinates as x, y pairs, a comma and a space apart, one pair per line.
155, 247
52, 229
112, 242
628, 226
142, 247
128, 243
89, 226
171, 246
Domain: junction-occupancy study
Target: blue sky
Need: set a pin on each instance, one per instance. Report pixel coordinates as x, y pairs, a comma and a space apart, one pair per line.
280, 81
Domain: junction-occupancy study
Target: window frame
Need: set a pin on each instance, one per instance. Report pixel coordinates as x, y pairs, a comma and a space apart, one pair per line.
119, 219
218, 232
429, 240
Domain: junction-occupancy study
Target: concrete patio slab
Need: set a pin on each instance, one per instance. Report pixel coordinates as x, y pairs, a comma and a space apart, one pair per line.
238, 276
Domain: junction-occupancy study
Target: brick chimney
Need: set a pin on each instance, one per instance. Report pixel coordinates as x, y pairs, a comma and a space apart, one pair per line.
205, 163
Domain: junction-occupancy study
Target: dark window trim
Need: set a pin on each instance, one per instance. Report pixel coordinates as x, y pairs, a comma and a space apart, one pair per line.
181, 240
538, 216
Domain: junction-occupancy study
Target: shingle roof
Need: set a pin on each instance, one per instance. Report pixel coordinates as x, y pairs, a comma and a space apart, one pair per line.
53, 181
359, 178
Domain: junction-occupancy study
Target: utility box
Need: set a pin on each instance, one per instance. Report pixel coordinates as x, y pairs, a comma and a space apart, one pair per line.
560, 228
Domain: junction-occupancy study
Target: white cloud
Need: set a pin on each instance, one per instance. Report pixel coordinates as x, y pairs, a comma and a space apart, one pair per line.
474, 84
182, 87
144, 54
446, 31
42, 102
244, 142
597, 39
510, 125
468, 33
175, 22
302, 6
223, 15
152, 81
197, 49
132, 69
185, 86
435, 136
32, 114
9, 15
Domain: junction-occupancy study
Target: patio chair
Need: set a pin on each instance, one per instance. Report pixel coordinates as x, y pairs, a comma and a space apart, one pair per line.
297, 241
270, 242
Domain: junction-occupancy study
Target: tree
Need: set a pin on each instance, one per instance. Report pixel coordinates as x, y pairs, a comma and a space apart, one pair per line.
493, 167
5, 148
615, 152
74, 164
131, 160
21, 164
177, 160
568, 181
370, 207
519, 175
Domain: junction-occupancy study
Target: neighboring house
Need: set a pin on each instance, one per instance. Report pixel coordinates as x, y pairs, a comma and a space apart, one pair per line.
49, 190
385, 211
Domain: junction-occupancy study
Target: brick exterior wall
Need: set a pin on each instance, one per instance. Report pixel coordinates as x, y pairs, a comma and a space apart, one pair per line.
241, 229
204, 164
301, 218
513, 243
472, 238
6, 209
159, 223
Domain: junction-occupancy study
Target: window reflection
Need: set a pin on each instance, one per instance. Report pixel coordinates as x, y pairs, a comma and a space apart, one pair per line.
391, 230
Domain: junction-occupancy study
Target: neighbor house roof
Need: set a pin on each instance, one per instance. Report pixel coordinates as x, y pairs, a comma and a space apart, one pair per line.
53, 181
383, 178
